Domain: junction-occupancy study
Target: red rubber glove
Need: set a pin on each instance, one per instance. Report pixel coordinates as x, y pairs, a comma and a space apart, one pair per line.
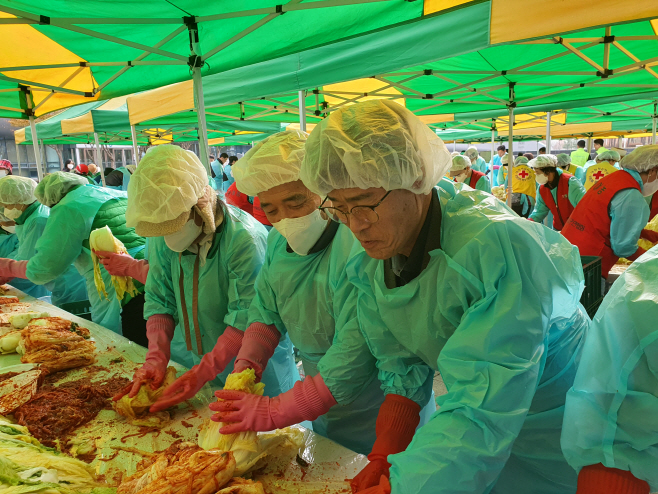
650, 236
384, 487
123, 265
396, 424
307, 400
212, 363
597, 479
257, 349
159, 331
12, 269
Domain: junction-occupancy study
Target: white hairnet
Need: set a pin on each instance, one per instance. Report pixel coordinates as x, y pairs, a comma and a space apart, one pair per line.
17, 190
505, 159
471, 153
642, 159
55, 186
167, 183
271, 162
563, 160
520, 160
455, 153
459, 163
377, 143
608, 155
543, 161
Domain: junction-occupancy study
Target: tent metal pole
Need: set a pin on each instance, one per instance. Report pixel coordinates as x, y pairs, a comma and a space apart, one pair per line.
493, 149
548, 132
302, 112
99, 157
123, 157
35, 145
510, 157
133, 133
77, 155
454, 146
199, 104
44, 159
589, 145
18, 157
654, 119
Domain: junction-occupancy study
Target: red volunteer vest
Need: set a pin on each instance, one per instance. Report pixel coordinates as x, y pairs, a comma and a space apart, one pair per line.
653, 206
475, 176
259, 214
563, 209
236, 198
588, 227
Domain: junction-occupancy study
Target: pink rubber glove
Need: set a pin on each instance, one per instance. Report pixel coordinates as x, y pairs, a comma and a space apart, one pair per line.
307, 400
12, 269
123, 265
258, 346
384, 487
159, 331
212, 363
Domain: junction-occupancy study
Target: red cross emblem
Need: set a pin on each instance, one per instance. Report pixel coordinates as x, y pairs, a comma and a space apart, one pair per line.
523, 174
599, 175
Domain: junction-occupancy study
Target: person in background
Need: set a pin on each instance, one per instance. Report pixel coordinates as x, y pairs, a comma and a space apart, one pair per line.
610, 217
5, 168
580, 156
610, 433
496, 164
477, 162
524, 187
226, 168
530, 156
559, 191
598, 146
68, 166
260, 215
204, 257
542, 150
461, 171
94, 174
77, 208
83, 171
8, 239
306, 256
606, 163
19, 204
236, 198
502, 171
564, 162
507, 341
216, 172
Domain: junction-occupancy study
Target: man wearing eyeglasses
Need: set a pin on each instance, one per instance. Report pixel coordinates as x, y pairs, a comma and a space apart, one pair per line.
455, 282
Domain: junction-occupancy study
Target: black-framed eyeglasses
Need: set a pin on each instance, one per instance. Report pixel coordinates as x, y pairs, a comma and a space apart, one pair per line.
366, 214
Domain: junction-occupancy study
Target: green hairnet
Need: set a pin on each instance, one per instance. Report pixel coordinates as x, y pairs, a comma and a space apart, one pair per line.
377, 143
17, 190
459, 162
563, 160
642, 159
55, 186
609, 155
520, 160
166, 184
271, 162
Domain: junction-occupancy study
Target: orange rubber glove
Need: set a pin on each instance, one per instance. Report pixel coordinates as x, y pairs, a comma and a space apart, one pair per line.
597, 479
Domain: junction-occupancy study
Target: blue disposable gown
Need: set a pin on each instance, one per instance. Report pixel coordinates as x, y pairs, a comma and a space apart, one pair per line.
8, 245
483, 184
218, 171
611, 411
576, 193
66, 288
324, 328
65, 240
480, 165
229, 174
629, 214
506, 339
225, 291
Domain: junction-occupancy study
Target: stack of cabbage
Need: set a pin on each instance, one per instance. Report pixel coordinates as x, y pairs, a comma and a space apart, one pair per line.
28, 467
103, 240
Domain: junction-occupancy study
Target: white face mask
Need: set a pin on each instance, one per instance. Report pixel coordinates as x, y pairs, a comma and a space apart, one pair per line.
460, 178
183, 238
650, 188
13, 214
302, 233
541, 179
69, 166
10, 229
3, 173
